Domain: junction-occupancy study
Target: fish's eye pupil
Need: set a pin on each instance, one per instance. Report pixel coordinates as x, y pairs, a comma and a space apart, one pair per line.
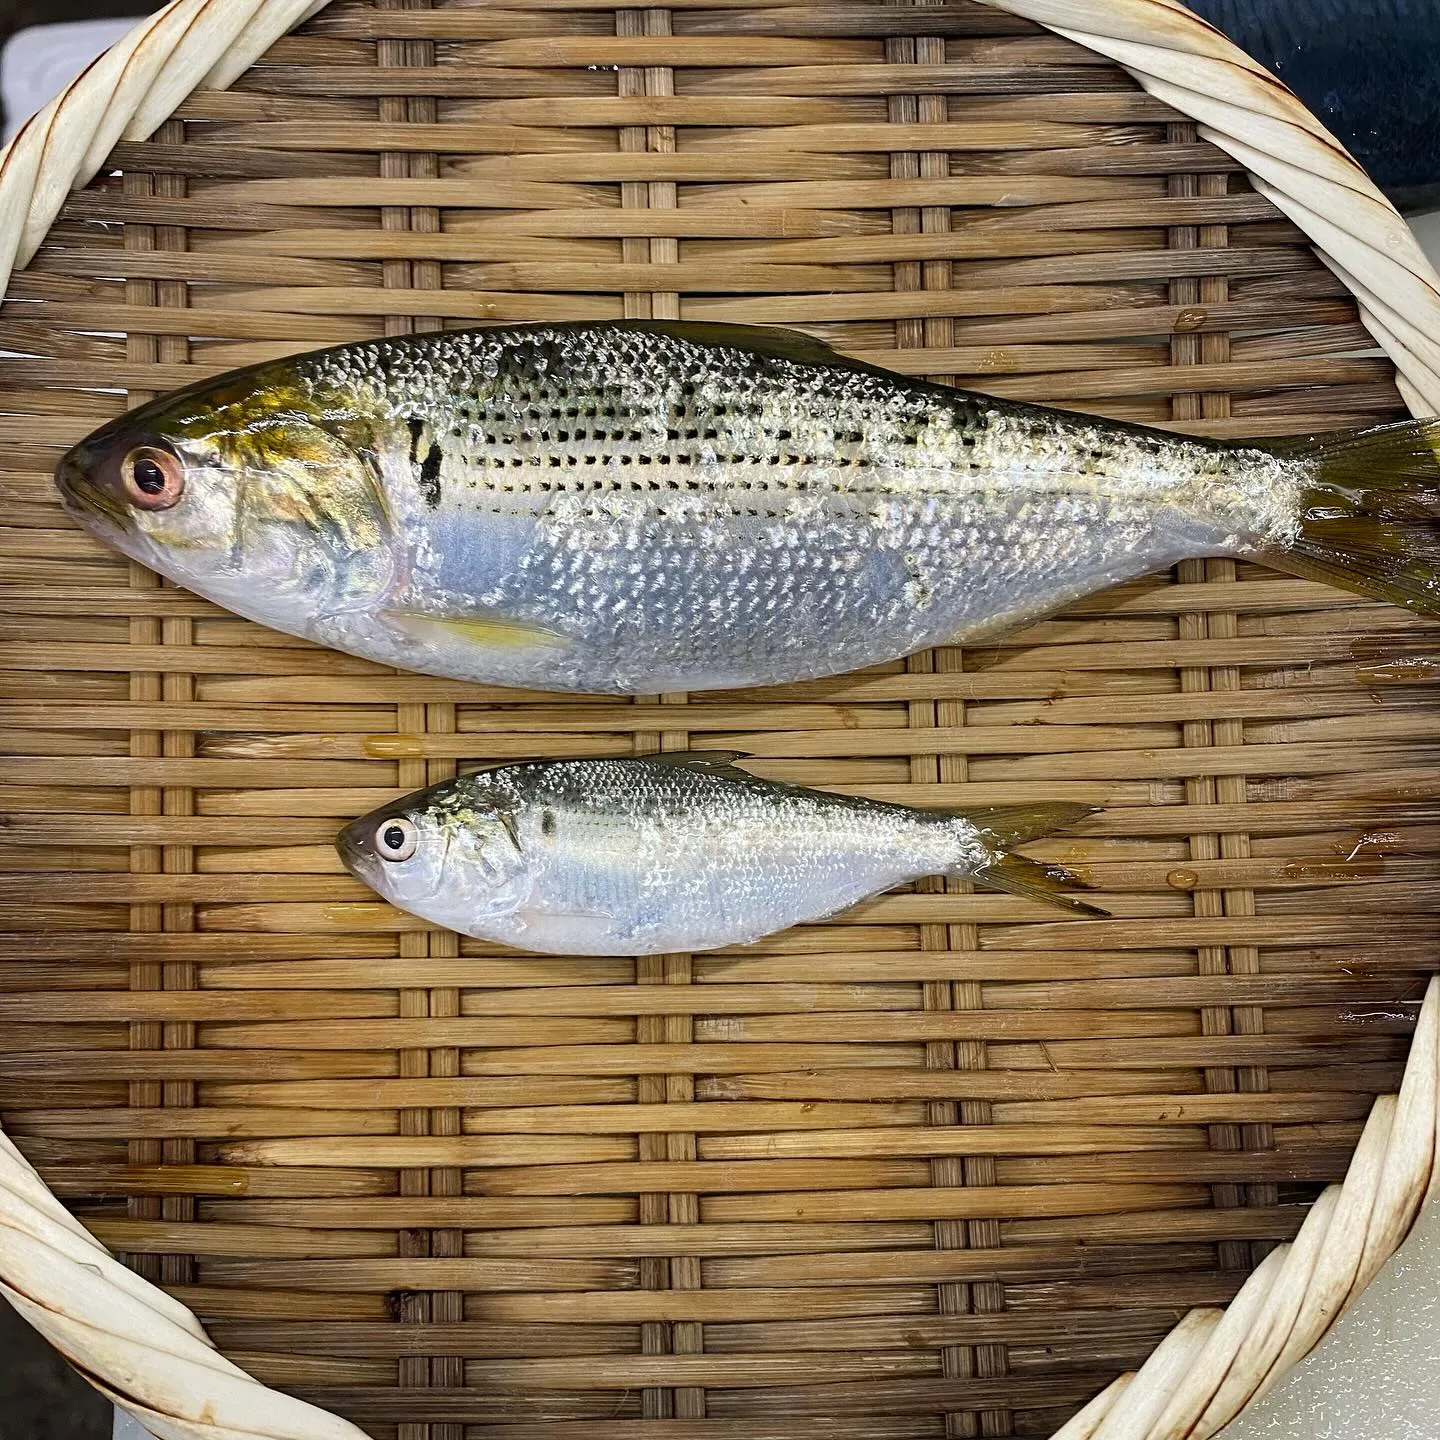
394, 837
149, 477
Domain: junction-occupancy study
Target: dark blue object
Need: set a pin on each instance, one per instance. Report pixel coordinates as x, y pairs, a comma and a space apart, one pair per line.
1370, 69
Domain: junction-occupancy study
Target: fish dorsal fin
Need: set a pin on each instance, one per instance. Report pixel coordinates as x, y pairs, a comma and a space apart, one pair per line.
710, 762
775, 342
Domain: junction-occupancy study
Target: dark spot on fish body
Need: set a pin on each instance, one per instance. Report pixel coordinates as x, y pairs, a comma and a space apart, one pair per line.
416, 426
430, 476
547, 823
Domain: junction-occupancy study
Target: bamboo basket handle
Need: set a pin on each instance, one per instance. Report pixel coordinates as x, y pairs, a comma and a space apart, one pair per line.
149, 1353
1242, 108
127, 1336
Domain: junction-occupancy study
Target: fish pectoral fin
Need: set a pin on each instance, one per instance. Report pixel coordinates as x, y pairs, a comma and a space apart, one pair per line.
482, 628
569, 912
561, 923
1032, 880
712, 762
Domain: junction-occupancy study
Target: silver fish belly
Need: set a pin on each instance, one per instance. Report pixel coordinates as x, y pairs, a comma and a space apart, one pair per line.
668, 853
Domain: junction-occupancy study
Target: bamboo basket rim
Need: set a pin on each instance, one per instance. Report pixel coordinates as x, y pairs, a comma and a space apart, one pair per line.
148, 1352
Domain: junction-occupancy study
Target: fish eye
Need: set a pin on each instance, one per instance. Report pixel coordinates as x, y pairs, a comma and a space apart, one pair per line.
396, 838
154, 479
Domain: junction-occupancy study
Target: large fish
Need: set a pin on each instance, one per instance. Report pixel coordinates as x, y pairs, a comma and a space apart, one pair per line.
643, 507
670, 852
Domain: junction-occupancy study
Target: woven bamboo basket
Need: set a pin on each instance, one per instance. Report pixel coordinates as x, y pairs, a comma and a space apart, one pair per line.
951, 1165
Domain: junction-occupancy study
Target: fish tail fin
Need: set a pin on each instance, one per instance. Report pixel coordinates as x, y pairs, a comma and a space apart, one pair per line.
1034, 880
1009, 825
1370, 513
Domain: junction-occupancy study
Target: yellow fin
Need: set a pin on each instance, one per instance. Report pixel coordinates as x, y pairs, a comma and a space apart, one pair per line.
1017, 875
1370, 513
1011, 825
490, 631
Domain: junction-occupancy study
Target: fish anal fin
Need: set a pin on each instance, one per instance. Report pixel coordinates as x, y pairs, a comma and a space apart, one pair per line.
1032, 880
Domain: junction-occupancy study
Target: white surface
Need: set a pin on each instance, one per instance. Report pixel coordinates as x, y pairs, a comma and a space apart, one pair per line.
128, 1428
1376, 1375
39, 63
1427, 227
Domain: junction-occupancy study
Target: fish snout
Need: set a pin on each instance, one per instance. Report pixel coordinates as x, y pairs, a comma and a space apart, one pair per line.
114, 473
356, 848
79, 479
71, 471
356, 845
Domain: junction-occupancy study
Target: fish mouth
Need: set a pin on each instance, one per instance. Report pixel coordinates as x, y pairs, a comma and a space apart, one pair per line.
358, 856
356, 851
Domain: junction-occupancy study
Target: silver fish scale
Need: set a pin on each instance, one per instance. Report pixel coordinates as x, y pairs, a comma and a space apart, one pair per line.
654, 855
561, 398
696, 515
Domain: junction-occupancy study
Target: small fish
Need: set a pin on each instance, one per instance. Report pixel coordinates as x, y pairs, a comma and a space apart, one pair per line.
642, 507
671, 852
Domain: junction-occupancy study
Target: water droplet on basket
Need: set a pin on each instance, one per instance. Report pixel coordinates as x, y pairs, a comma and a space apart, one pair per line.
394, 747
1322, 869
1389, 672
357, 911
1382, 840
1395, 1015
